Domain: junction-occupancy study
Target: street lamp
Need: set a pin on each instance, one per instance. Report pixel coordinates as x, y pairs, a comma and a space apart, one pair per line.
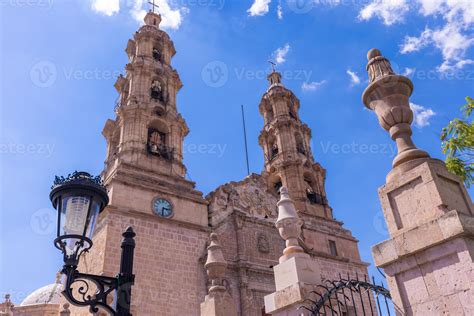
78, 199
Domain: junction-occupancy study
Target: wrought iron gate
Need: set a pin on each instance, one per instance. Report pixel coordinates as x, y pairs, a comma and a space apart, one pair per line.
347, 297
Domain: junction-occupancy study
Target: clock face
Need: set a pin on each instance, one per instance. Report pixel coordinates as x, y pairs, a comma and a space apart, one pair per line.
162, 208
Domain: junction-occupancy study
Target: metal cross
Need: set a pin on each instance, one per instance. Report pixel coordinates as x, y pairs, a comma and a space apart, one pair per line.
153, 5
273, 64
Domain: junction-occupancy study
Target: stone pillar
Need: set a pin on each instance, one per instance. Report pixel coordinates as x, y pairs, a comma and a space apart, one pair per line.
297, 273
218, 302
428, 259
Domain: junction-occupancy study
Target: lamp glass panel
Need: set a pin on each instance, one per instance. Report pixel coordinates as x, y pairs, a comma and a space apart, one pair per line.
73, 220
75, 210
93, 218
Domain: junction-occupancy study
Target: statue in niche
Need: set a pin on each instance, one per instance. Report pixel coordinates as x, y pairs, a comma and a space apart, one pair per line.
155, 141
313, 197
292, 114
274, 151
156, 54
156, 90
234, 198
300, 148
157, 145
277, 186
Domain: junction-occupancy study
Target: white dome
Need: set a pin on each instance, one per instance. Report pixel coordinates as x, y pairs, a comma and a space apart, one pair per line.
49, 294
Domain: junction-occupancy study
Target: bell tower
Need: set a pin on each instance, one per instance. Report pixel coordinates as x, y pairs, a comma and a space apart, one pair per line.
147, 188
285, 140
145, 141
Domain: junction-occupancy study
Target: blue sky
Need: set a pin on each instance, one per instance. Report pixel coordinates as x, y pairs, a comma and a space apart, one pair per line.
59, 60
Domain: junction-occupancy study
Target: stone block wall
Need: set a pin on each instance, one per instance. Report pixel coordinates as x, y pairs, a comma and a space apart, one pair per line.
170, 279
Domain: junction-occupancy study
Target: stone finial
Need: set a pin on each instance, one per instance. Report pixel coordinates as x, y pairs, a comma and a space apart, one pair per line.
152, 18
215, 264
289, 226
218, 302
388, 94
65, 310
378, 66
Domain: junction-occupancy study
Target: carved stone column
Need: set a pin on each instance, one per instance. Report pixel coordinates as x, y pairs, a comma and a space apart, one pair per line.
428, 259
297, 273
218, 302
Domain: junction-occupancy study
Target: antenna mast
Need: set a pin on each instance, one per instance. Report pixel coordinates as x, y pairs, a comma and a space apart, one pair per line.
245, 140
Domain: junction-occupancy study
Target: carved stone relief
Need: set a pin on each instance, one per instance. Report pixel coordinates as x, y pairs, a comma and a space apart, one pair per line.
249, 195
262, 243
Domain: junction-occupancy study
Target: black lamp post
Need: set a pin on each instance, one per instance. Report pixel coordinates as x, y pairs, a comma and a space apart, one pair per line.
79, 199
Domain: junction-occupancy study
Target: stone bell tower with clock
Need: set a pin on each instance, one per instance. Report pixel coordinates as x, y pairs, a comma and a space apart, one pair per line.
145, 177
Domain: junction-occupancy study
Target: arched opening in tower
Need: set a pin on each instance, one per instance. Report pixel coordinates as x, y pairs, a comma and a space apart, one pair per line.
312, 192
158, 140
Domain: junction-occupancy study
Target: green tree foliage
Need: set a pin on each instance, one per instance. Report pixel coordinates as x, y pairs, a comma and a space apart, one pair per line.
458, 144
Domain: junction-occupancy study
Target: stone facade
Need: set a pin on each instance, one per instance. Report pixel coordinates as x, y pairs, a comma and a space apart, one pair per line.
244, 213
144, 169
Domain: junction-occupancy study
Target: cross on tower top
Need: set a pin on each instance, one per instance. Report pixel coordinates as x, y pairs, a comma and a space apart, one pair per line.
153, 5
273, 64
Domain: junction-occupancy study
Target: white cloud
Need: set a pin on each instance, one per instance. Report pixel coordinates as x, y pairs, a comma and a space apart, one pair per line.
107, 7
429, 7
409, 71
451, 10
312, 86
390, 11
279, 11
137, 11
449, 39
280, 53
453, 45
421, 115
414, 44
355, 80
453, 39
259, 7
171, 18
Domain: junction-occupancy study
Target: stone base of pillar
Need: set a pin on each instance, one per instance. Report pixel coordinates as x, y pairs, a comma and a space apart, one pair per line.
429, 257
218, 304
295, 278
435, 281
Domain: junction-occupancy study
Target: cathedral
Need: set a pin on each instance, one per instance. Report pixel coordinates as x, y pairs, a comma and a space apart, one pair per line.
145, 178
